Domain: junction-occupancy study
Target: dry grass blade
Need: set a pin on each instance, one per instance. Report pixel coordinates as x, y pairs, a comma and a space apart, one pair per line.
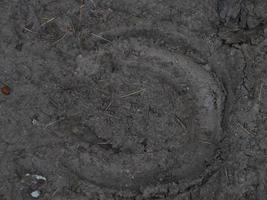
98, 36
52, 123
180, 122
133, 93
108, 106
260, 91
57, 41
245, 130
205, 142
48, 21
29, 30
81, 12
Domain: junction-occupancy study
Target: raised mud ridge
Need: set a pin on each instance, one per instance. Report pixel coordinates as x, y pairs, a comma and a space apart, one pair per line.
153, 114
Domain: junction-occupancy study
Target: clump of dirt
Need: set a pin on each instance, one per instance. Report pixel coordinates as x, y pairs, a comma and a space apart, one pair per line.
133, 99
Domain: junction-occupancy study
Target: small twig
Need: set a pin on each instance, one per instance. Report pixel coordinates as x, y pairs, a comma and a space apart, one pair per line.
226, 174
57, 41
73, 28
48, 21
103, 143
108, 106
81, 12
109, 115
245, 130
98, 36
52, 123
29, 30
205, 142
55, 192
180, 122
133, 93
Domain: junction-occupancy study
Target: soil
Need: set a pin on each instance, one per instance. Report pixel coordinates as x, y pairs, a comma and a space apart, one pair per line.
133, 100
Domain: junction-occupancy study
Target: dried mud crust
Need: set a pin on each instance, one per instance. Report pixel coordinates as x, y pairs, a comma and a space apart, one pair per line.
126, 101
149, 115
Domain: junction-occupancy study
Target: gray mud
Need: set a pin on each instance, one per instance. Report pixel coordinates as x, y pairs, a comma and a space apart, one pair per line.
133, 100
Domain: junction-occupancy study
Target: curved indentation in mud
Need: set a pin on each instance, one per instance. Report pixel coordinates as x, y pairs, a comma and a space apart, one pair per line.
151, 115
172, 39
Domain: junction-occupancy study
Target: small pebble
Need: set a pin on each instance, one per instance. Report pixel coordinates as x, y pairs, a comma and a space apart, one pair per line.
6, 90
38, 177
35, 122
35, 194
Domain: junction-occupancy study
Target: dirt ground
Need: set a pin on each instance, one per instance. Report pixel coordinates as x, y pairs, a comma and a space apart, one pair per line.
133, 99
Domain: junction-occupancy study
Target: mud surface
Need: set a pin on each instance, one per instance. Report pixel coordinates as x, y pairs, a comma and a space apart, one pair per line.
133, 100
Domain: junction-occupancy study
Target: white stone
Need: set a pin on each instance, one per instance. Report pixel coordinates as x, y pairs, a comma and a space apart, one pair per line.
35, 194
38, 177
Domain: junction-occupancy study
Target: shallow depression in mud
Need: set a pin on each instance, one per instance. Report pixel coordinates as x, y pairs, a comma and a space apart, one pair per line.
148, 115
